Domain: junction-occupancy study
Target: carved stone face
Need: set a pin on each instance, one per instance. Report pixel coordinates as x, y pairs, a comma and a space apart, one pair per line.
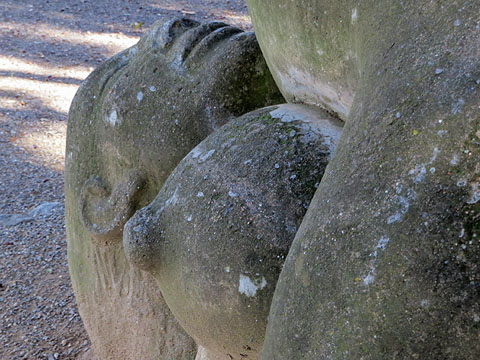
216, 236
158, 100
131, 122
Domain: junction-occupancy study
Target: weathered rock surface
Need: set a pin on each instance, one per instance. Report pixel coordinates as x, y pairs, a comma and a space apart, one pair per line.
131, 122
217, 234
386, 262
310, 63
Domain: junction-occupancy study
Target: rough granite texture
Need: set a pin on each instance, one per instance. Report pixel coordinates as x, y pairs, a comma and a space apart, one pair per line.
132, 120
217, 234
386, 262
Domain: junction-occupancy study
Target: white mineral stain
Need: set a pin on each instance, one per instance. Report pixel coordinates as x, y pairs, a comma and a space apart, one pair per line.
420, 171
436, 151
381, 246
354, 15
404, 203
458, 106
370, 278
173, 199
206, 156
474, 194
113, 118
284, 115
382, 243
248, 287
454, 160
140, 96
196, 152
308, 122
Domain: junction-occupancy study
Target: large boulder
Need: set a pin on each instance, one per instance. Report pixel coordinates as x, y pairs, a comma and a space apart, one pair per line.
218, 232
386, 263
132, 120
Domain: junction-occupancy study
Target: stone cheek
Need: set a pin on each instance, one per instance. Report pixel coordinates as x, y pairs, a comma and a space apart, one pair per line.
217, 234
131, 122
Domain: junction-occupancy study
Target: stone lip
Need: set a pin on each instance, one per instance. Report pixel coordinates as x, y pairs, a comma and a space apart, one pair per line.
216, 235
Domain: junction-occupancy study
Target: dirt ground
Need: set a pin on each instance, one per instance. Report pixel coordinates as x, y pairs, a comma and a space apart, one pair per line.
47, 47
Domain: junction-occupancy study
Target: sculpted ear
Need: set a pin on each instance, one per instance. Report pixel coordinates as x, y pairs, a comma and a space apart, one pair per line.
104, 211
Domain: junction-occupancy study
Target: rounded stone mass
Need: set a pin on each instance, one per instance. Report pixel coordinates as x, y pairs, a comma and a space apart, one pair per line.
217, 234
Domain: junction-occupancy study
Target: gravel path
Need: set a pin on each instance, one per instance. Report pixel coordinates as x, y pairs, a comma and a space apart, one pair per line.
47, 47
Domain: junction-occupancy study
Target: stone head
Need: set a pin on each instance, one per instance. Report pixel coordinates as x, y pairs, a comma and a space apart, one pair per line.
131, 122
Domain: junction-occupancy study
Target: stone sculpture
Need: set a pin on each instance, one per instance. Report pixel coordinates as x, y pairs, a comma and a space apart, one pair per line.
131, 122
218, 232
385, 264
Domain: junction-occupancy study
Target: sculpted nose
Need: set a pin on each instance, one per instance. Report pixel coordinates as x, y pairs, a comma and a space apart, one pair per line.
142, 239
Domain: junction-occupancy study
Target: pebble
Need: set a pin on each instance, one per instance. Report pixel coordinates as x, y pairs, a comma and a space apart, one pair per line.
40, 211
45, 209
13, 219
